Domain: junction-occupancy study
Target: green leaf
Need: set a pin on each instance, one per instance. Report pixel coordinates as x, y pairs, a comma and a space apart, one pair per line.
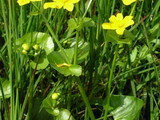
6, 89
80, 23
69, 53
42, 62
65, 115
58, 58
38, 112
72, 24
125, 107
44, 40
75, 70
83, 50
49, 104
133, 55
112, 36
143, 52
87, 22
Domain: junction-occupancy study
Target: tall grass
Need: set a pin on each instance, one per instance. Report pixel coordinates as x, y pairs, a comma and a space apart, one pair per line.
108, 70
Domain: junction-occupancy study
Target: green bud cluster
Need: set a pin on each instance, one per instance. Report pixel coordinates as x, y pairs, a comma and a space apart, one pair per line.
26, 47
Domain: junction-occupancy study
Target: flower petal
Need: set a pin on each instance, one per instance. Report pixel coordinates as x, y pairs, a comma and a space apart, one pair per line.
119, 16
113, 19
73, 1
60, 4
108, 26
128, 2
50, 5
36, 0
128, 21
69, 6
23, 2
120, 31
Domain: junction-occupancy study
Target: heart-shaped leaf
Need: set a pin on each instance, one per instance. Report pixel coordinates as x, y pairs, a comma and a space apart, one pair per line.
59, 63
41, 60
44, 40
112, 36
125, 107
65, 115
6, 89
49, 105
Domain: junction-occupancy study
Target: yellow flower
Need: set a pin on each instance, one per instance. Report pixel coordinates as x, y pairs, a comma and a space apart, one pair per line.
118, 23
128, 2
66, 4
24, 2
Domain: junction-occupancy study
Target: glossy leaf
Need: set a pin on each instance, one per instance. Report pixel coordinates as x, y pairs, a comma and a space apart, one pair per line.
38, 112
125, 107
49, 105
65, 115
6, 89
41, 60
83, 50
112, 36
75, 70
133, 55
59, 63
44, 40
80, 23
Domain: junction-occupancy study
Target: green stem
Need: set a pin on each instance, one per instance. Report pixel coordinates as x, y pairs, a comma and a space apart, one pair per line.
9, 46
133, 8
110, 83
85, 99
76, 48
81, 89
53, 35
89, 4
150, 50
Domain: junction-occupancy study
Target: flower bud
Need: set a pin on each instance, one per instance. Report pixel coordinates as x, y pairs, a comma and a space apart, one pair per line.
26, 46
55, 96
36, 47
24, 52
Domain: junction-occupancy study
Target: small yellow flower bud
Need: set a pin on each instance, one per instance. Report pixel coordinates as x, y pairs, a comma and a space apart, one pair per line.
36, 47
26, 46
55, 96
24, 52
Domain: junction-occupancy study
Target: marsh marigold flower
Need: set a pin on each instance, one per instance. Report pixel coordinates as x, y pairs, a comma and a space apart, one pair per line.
66, 4
24, 2
128, 2
118, 23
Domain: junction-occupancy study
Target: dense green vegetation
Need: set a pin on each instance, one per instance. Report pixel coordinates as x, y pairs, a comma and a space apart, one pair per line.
60, 64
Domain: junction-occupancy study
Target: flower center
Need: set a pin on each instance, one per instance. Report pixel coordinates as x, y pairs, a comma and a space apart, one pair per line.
121, 23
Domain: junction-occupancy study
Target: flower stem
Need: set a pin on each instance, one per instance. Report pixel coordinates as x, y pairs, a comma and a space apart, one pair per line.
85, 99
53, 35
110, 83
133, 8
76, 48
80, 87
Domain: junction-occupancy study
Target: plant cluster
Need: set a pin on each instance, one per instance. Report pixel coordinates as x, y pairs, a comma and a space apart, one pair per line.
79, 59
